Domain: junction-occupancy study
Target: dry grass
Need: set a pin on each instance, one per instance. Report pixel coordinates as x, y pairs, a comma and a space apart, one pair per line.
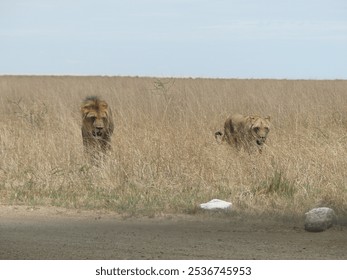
165, 158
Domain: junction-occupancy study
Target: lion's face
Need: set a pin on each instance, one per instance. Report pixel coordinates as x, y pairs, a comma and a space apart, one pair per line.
259, 128
96, 119
96, 123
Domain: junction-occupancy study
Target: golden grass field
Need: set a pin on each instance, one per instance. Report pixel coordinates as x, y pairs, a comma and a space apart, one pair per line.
165, 158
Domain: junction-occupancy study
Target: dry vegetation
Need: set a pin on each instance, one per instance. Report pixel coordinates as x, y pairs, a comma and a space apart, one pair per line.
165, 158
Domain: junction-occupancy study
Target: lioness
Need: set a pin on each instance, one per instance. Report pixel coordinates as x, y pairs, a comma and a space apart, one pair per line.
97, 126
245, 131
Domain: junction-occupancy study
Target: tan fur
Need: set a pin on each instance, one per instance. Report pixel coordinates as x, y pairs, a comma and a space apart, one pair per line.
97, 126
245, 131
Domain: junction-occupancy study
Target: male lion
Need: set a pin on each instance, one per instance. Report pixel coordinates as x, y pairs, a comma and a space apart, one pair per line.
245, 131
97, 126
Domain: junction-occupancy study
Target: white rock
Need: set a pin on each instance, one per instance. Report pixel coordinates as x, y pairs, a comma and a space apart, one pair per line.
216, 204
319, 219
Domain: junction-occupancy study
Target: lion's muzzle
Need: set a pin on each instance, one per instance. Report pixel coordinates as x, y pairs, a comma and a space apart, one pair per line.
261, 141
98, 132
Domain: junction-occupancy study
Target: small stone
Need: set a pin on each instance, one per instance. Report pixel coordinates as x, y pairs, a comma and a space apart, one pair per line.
215, 204
319, 219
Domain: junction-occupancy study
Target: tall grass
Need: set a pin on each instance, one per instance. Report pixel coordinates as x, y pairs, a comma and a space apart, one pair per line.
165, 158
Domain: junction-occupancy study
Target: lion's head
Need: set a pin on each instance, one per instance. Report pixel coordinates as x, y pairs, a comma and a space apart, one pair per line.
259, 128
97, 124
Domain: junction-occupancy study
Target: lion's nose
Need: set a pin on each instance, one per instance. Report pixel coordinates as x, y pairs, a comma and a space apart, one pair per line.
98, 131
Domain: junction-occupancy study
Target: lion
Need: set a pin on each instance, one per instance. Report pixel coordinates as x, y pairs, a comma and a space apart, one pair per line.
245, 131
97, 126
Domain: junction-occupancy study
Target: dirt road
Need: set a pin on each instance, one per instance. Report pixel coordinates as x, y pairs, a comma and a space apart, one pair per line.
51, 233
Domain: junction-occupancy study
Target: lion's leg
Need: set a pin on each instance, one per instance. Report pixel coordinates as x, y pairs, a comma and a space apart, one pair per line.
236, 142
228, 131
228, 136
234, 136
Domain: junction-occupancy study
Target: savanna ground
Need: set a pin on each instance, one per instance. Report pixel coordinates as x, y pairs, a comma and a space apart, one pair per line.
165, 161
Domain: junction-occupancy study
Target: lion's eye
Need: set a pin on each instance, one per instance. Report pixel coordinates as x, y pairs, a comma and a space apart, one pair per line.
92, 118
256, 129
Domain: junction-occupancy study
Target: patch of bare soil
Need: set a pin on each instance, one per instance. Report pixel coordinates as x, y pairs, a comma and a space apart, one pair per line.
52, 233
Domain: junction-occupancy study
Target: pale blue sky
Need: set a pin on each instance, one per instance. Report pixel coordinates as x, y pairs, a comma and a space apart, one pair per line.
305, 39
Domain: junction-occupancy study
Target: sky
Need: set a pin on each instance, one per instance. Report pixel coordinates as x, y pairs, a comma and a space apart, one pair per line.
281, 39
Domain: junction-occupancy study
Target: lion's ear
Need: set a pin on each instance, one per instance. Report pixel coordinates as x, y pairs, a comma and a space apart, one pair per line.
84, 110
268, 118
103, 105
